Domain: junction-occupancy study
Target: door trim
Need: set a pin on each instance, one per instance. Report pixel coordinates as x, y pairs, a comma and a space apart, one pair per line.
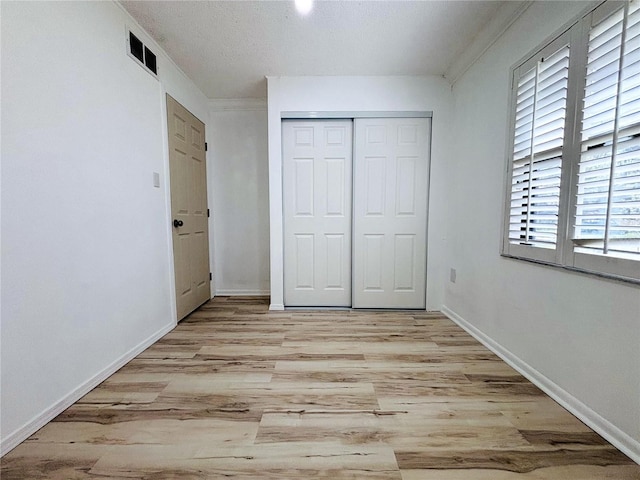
352, 115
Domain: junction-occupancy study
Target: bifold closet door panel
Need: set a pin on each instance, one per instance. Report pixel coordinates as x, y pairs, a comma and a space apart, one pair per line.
317, 193
391, 159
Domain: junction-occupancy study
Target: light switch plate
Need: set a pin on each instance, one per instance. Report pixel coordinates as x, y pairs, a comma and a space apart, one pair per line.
156, 179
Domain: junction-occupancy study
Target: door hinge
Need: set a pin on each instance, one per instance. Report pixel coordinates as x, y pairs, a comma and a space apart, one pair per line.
208, 212
210, 276
205, 146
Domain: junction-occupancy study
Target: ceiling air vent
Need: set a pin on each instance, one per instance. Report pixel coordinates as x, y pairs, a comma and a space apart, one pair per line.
141, 54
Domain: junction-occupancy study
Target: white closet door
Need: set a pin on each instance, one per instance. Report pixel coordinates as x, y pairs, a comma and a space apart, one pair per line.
390, 212
317, 171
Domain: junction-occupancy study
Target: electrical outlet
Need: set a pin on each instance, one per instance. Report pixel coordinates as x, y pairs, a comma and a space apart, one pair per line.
452, 275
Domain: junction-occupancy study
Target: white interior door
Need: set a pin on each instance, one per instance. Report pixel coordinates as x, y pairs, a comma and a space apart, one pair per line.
391, 162
317, 167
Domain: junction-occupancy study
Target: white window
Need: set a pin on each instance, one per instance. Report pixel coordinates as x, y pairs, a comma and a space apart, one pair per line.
573, 196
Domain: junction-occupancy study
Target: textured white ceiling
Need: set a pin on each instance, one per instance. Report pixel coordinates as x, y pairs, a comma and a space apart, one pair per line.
227, 47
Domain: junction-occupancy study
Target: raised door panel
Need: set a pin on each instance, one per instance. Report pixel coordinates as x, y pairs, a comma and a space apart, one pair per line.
182, 256
304, 278
375, 185
406, 186
404, 256
317, 212
372, 251
335, 197
303, 187
336, 249
180, 176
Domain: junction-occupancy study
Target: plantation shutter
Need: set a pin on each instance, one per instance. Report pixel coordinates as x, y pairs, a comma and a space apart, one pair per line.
607, 215
538, 139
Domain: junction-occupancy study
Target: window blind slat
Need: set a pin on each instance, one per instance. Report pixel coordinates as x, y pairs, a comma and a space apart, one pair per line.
523, 124
525, 107
619, 196
553, 103
604, 61
522, 154
549, 84
605, 43
598, 130
599, 97
629, 115
600, 82
606, 103
551, 163
551, 120
602, 58
595, 170
548, 209
602, 33
592, 183
544, 94
527, 81
632, 81
549, 133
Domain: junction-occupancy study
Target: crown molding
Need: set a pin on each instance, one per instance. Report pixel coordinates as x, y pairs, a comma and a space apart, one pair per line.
499, 24
237, 104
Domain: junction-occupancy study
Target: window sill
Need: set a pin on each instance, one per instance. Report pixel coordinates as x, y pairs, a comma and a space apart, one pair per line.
604, 276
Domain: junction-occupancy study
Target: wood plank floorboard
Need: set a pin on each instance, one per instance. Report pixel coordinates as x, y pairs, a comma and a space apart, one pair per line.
239, 392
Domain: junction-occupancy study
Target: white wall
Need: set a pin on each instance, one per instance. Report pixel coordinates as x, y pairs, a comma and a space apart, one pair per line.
578, 335
239, 188
362, 94
86, 250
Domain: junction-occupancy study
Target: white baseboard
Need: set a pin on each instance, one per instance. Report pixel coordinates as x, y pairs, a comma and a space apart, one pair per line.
242, 293
276, 306
621, 440
21, 434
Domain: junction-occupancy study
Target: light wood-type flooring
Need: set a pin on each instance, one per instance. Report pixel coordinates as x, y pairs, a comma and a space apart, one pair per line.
238, 392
